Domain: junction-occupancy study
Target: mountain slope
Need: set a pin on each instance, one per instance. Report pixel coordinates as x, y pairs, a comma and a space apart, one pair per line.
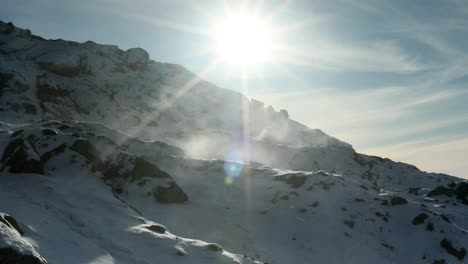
104, 151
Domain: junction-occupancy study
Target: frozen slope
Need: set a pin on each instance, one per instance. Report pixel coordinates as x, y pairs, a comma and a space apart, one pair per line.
80, 193
71, 213
109, 157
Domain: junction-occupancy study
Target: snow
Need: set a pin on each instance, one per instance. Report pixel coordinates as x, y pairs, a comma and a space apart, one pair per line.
281, 193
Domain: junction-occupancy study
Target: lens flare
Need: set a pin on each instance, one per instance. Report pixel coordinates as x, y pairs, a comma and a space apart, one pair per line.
232, 168
228, 180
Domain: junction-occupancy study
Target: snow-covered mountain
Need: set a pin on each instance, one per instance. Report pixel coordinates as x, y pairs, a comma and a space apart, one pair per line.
110, 157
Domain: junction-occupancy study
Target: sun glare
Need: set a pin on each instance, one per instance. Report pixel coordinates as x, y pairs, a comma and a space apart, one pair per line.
243, 40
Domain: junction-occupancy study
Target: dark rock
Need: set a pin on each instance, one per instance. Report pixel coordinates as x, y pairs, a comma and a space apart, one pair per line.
359, 159
49, 132
295, 181
180, 252
439, 261
314, 204
461, 191
419, 219
440, 190
144, 168
414, 191
87, 150
4, 79
390, 247
430, 227
214, 247
29, 108
118, 190
67, 70
397, 200
170, 194
382, 216
384, 202
447, 245
46, 93
349, 223
11, 222
16, 157
157, 228
10, 256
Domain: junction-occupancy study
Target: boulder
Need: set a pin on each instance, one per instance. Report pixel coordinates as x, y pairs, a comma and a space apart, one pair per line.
11, 222
419, 219
397, 200
137, 56
458, 253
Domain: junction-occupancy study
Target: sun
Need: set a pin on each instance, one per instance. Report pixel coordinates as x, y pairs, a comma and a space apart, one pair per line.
243, 39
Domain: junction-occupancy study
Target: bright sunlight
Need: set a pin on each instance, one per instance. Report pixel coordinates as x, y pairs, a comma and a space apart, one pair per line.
243, 39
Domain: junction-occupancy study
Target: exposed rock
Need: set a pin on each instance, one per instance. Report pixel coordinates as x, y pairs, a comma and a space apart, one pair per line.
397, 200
214, 247
119, 169
461, 191
157, 228
170, 194
414, 191
20, 157
87, 150
144, 168
440, 190
284, 113
47, 93
295, 181
61, 69
349, 223
419, 219
11, 222
447, 245
430, 227
137, 56
10, 256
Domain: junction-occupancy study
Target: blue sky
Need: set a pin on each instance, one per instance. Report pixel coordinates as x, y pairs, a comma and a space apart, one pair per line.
389, 77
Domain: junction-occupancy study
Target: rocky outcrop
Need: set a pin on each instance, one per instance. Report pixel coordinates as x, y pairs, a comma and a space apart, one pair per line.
130, 169
10, 256
458, 253
14, 249
11, 222
458, 190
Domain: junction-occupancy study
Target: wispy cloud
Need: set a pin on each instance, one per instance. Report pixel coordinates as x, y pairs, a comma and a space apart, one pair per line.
366, 56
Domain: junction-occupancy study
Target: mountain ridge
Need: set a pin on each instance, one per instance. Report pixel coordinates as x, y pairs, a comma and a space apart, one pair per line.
89, 128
